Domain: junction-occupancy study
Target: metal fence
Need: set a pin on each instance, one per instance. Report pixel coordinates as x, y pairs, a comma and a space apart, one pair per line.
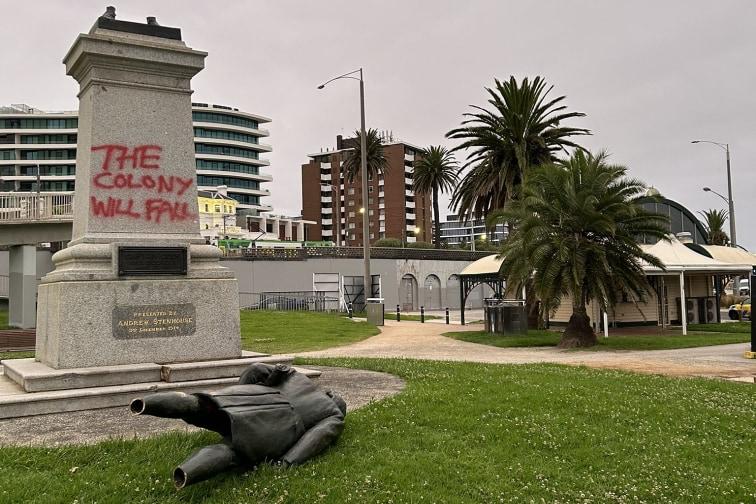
29, 207
288, 301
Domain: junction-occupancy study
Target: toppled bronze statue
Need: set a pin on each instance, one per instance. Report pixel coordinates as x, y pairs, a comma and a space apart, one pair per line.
274, 414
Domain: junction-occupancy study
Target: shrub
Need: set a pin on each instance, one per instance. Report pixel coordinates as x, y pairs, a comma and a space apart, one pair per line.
388, 242
420, 245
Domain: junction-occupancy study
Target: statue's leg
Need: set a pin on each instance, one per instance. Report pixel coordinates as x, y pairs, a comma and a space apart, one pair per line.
204, 463
167, 405
188, 407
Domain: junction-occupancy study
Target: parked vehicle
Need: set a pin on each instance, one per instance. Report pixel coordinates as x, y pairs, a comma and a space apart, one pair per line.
740, 311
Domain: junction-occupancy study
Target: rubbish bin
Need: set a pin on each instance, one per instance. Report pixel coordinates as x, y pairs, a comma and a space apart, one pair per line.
374, 309
505, 316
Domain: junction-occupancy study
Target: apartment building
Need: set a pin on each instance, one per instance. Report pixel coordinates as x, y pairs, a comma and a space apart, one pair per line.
335, 204
456, 231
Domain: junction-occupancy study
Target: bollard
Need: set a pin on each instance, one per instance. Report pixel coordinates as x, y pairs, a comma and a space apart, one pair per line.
422, 314
398, 314
447, 315
349, 309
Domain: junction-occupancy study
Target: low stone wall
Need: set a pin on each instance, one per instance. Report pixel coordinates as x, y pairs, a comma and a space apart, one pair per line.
304, 253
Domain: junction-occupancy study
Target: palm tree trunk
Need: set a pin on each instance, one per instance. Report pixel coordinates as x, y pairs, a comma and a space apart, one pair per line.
578, 332
436, 219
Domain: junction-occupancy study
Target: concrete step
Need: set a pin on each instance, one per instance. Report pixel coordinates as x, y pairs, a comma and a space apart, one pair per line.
34, 376
208, 370
14, 402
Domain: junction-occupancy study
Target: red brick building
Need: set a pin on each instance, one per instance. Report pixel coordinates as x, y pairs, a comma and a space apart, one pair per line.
395, 211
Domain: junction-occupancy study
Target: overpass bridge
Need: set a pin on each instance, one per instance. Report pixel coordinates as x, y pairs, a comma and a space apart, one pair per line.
31, 218
26, 220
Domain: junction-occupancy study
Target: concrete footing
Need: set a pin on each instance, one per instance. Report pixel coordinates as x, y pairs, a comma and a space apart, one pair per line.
30, 388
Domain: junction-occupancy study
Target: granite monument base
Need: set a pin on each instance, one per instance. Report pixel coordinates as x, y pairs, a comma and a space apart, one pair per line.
131, 321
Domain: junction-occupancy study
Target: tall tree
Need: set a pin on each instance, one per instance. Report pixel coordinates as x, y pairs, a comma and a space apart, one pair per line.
521, 130
376, 160
714, 221
435, 171
575, 234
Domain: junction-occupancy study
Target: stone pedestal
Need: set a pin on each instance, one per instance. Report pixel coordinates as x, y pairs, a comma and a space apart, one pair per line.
136, 284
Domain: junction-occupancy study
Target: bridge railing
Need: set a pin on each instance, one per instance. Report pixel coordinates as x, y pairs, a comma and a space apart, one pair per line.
31, 207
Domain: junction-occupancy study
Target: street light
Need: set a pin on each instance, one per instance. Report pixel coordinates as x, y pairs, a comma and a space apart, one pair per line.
709, 189
363, 166
416, 232
730, 202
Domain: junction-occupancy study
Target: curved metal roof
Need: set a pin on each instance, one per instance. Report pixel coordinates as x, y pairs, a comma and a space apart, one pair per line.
488, 265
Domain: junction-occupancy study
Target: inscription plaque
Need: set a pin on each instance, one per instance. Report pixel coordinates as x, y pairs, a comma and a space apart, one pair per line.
150, 261
154, 321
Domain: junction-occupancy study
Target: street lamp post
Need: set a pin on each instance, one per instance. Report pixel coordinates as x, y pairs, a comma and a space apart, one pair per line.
367, 283
730, 202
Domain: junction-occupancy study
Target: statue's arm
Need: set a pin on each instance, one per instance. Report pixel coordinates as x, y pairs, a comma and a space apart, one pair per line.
314, 441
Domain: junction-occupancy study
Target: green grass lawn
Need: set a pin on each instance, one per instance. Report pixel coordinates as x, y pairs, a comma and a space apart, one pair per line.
299, 331
613, 342
4, 319
459, 433
729, 327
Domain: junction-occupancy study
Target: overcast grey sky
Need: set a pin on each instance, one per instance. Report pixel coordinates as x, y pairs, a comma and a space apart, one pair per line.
650, 75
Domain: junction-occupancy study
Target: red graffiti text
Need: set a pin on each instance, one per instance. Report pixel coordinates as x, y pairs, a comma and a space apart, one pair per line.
140, 156
139, 192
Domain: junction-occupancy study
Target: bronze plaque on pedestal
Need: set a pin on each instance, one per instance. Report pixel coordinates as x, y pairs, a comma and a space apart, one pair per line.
154, 321
150, 261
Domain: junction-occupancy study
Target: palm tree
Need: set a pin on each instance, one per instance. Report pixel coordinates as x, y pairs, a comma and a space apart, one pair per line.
714, 223
376, 160
436, 171
520, 132
575, 235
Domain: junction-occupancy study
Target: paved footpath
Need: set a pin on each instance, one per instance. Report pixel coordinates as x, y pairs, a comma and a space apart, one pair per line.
425, 341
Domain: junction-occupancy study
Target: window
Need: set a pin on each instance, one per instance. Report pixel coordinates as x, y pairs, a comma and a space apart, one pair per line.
351, 225
224, 119
370, 189
207, 207
225, 150
351, 191
351, 214
225, 135
246, 199
205, 180
39, 123
217, 208
370, 213
204, 164
350, 202
48, 139
372, 236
